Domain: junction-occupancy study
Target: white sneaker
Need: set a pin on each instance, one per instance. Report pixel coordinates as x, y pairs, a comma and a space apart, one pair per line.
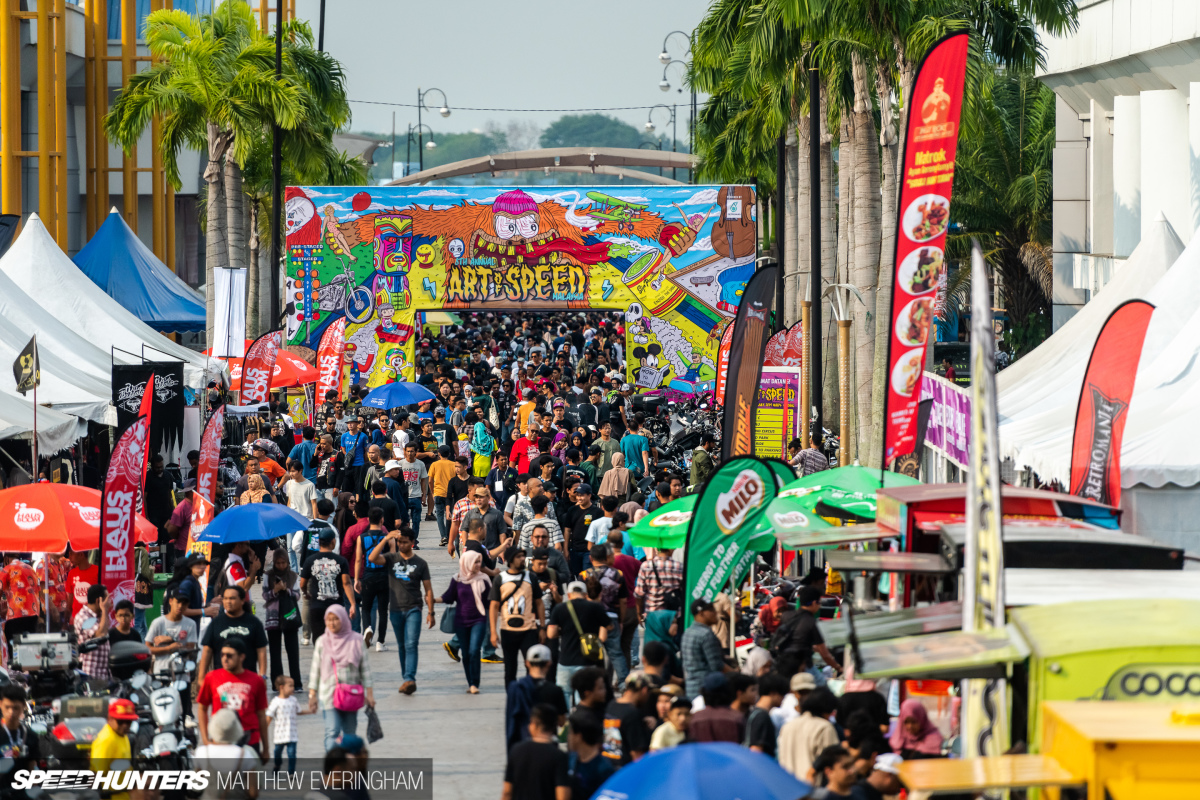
367, 634
305, 640
380, 647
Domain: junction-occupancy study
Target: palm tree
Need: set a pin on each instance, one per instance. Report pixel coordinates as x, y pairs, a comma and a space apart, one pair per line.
1002, 195
213, 87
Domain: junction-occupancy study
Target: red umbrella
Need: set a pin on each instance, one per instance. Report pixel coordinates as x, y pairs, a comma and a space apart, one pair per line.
46, 517
290, 370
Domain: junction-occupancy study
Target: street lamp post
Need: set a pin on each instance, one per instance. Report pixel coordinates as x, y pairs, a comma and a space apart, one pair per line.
415, 131
444, 111
665, 59
672, 122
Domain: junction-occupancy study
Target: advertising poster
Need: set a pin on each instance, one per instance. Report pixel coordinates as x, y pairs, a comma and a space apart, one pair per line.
129, 389
777, 417
258, 368
948, 431
673, 259
924, 216
299, 407
750, 335
1103, 401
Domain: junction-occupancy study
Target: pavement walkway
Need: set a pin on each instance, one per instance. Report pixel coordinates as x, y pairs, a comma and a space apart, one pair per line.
462, 733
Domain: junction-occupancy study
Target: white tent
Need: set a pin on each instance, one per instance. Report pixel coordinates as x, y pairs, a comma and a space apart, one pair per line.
39, 268
56, 431
1039, 394
63, 387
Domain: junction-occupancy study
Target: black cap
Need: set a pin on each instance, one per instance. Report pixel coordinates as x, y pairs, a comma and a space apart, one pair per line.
594, 449
699, 606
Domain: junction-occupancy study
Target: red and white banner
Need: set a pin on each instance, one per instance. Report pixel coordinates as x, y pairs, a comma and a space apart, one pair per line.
793, 347
924, 216
1103, 401
210, 458
723, 363
147, 406
773, 357
330, 355
122, 485
258, 368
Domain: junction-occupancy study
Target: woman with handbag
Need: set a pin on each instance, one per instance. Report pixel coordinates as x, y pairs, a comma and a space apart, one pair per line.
468, 592
281, 599
340, 677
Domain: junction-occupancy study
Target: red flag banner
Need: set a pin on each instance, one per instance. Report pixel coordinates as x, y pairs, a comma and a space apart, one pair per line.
330, 354
723, 363
749, 340
258, 368
144, 410
1104, 401
793, 347
204, 500
923, 215
773, 357
122, 485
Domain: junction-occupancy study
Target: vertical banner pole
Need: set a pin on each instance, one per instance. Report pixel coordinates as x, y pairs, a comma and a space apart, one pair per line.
805, 373
844, 389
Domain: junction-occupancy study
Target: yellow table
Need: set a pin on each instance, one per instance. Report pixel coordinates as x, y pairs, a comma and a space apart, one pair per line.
925, 777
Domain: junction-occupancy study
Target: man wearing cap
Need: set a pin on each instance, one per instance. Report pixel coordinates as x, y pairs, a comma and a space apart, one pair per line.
884, 780
112, 742
395, 489
802, 685
590, 466
238, 689
527, 692
700, 649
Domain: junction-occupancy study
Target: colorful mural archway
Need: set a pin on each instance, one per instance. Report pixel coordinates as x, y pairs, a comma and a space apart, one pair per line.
673, 259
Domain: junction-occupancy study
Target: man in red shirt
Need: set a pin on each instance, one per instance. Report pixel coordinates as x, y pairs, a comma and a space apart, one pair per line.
525, 450
82, 575
236, 688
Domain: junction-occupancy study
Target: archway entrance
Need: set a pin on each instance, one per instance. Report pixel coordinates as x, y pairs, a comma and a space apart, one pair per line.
672, 259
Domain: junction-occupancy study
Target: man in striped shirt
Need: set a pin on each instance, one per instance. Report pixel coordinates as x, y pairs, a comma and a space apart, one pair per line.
658, 575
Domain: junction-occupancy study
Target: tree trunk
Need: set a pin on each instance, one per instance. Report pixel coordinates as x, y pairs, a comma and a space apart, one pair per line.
845, 250
791, 307
216, 244
253, 320
828, 267
802, 233
234, 201
887, 260
867, 239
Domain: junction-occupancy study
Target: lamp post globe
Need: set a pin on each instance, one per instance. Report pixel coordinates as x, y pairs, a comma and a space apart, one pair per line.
444, 111
649, 126
664, 85
664, 57
430, 145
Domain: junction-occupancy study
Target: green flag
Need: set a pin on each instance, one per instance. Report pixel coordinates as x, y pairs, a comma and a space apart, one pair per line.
718, 543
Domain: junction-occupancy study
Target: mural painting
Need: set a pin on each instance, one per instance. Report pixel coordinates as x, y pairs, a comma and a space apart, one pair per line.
673, 259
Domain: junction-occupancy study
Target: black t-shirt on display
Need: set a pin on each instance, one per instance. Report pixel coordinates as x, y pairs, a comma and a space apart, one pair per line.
592, 617
535, 769
248, 627
324, 572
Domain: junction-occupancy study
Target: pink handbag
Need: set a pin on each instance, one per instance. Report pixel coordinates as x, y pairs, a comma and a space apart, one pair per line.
347, 696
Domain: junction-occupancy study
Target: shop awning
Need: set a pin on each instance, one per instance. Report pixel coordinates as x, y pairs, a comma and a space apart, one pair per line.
881, 561
944, 656
891, 624
120, 263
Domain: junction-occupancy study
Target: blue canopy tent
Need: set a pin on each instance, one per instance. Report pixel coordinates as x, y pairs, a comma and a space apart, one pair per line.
120, 263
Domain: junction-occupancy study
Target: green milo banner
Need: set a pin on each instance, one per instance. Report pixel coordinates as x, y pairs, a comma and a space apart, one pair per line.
719, 536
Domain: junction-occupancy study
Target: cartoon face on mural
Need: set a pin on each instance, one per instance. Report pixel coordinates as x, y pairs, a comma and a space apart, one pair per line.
643, 250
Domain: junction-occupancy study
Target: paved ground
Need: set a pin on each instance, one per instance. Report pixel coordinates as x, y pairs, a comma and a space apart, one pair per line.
463, 734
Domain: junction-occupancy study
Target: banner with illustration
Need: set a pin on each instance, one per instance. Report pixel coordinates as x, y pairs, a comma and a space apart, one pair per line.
718, 542
924, 216
258, 368
673, 259
121, 501
777, 414
1103, 400
129, 387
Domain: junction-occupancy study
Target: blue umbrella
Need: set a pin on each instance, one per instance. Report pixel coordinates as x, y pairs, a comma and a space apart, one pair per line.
394, 395
253, 522
709, 771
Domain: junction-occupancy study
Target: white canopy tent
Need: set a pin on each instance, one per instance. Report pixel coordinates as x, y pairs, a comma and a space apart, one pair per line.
56, 431
63, 387
39, 268
1039, 394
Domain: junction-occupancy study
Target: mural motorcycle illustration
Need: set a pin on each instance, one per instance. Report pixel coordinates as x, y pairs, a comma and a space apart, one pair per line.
664, 256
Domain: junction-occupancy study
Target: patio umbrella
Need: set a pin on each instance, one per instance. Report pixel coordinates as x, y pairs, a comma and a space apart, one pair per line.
290, 370
394, 395
46, 517
709, 771
253, 522
666, 526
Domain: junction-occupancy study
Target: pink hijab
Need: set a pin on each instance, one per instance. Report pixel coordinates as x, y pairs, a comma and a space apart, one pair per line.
470, 571
927, 740
345, 647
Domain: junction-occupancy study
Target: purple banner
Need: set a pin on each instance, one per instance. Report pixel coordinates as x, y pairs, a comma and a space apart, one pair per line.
949, 430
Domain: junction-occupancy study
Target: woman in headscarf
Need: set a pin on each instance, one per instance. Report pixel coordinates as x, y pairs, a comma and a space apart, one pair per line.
256, 491
577, 441
483, 447
338, 658
468, 591
630, 508
617, 481
758, 662
916, 736
663, 626
770, 615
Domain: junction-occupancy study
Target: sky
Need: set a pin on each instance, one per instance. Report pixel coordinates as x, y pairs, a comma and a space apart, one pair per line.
539, 54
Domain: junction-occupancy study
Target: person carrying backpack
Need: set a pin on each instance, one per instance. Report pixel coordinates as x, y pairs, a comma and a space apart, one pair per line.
606, 586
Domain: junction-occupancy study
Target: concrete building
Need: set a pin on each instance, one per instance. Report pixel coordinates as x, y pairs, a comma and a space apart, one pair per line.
1128, 136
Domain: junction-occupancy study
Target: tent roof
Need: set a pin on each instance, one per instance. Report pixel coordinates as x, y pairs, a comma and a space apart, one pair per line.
1039, 394
56, 431
42, 271
120, 263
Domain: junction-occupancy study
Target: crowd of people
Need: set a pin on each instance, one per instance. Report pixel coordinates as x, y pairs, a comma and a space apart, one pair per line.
528, 468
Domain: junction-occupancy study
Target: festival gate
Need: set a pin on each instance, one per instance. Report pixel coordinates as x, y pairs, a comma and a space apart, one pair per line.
673, 259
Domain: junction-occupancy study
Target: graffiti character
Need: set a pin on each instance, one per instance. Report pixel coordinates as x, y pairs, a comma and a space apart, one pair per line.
650, 374
456, 248
392, 259
333, 233
300, 218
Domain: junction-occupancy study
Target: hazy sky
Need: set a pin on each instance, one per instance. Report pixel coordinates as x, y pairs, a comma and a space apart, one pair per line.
544, 54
